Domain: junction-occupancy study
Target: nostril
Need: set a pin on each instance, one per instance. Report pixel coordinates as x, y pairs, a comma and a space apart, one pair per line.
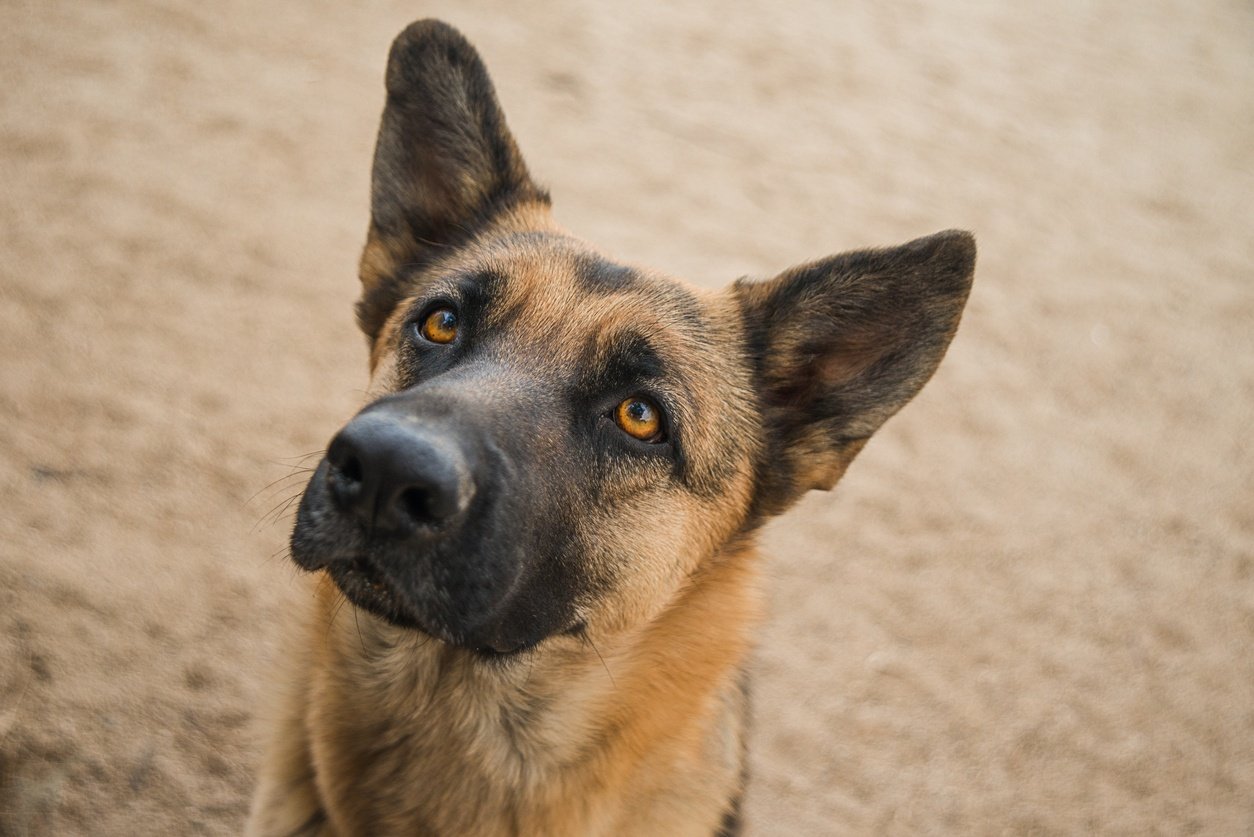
351, 470
346, 474
416, 502
345, 460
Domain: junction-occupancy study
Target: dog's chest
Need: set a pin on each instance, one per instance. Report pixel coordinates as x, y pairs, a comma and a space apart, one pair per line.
440, 749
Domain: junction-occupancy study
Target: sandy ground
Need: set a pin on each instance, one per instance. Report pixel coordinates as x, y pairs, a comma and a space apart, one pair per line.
1028, 609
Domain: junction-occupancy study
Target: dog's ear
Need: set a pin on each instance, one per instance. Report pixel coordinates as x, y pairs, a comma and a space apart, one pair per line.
444, 163
837, 346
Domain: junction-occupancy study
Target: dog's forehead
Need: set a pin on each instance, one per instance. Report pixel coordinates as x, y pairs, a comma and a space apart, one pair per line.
549, 293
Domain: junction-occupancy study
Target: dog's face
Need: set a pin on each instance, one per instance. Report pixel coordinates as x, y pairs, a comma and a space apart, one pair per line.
545, 448
557, 441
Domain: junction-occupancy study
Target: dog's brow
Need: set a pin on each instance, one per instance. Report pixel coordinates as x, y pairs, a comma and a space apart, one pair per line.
473, 290
481, 288
596, 275
623, 358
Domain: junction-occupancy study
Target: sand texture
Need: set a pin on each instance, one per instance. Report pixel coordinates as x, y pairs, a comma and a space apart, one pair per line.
1028, 609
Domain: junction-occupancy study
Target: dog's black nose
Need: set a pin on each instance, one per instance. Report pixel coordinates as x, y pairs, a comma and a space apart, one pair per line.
396, 475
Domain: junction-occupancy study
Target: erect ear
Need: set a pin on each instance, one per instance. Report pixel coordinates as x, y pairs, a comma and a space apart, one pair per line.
840, 345
444, 163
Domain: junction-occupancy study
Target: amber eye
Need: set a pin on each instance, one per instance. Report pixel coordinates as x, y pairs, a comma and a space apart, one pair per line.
440, 326
640, 418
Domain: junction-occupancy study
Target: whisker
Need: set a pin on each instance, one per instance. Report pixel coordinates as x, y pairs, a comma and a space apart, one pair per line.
285, 506
360, 639
531, 668
587, 639
341, 600
296, 471
283, 460
278, 511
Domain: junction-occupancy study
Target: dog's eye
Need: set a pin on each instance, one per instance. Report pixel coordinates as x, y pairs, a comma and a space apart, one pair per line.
640, 418
440, 326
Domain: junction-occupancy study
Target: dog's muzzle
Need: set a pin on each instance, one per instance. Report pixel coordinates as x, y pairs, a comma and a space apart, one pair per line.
386, 516
432, 512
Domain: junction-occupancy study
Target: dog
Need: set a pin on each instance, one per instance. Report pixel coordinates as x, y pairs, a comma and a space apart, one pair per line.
543, 521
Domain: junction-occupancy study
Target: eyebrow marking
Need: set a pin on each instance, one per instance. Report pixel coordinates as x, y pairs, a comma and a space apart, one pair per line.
622, 359
480, 289
472, 290
601, 276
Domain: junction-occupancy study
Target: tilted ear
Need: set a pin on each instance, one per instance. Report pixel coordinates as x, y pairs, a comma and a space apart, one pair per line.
839, 345
444, 163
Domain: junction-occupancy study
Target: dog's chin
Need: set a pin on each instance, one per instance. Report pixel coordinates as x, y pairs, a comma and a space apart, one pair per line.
366, 588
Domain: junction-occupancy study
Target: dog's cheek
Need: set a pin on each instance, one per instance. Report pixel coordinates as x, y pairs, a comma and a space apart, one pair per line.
385, 377
386, 353
639, 553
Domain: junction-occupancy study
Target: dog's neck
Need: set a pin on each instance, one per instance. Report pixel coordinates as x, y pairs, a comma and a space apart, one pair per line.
575, 715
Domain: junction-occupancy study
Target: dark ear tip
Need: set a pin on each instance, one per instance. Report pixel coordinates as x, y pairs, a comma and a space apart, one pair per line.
949, 244
949, 256
424, 33
421, 44
954, 248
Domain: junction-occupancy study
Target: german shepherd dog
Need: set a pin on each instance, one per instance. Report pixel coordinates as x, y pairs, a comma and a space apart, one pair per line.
533, 551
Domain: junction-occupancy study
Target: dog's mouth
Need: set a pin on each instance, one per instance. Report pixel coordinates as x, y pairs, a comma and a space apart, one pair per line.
364, 586
367, 587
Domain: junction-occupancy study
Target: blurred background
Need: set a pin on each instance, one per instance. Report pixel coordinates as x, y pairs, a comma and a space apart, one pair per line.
1029, 607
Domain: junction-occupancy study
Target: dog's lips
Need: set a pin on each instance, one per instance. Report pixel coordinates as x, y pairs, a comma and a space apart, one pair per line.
365, 587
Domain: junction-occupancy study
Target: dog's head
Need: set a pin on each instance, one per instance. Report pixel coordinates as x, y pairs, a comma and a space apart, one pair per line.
556, 440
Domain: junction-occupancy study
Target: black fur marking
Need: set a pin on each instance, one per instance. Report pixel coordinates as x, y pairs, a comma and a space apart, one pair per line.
596, 275
312, 825
731, 824
680, 302
631, 361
